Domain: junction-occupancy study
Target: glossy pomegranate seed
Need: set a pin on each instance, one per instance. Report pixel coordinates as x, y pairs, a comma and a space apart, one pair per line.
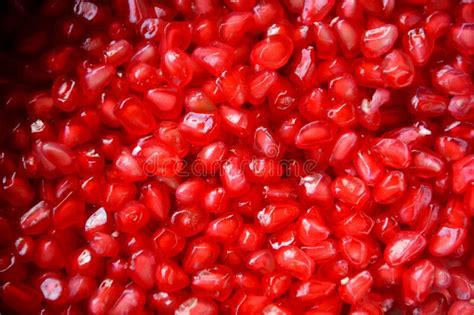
378, 41
314, 134
294, 261
21, 297
451, 81
213, 282
199, 128
273, 52
351, 190
311, 229
417, 281
177, 67
397, 70
354, 289
276, 216
404, 247
196, 306
308, 291
170, 277
390, 188
135, 116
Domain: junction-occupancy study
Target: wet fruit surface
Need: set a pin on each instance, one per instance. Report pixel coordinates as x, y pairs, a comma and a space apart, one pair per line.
204, 157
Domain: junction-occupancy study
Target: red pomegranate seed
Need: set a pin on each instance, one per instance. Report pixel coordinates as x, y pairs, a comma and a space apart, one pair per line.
390, 187
404, 247
294, 261
417, 281
310, 290
354, 289
397, 70
273, 52
378, 41
21, 297
276, 216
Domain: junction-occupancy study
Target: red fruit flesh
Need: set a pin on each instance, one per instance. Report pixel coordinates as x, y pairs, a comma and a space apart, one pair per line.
204, 157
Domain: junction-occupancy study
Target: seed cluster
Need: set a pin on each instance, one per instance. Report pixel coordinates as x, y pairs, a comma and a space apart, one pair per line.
204, 157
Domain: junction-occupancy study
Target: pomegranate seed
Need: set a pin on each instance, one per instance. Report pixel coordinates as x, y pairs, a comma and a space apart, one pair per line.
397, 70
200, 254
197, 305
417, 281
404, 247
21, 297
294, 261
276, 216
135, 117
273, 52
390, 188
199, 128
213, 282
354, 289
170, 277
378, 41
314, 134
310, 290
451, 81
351, 190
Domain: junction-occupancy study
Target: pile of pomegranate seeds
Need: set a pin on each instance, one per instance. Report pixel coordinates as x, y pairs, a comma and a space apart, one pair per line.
202, 157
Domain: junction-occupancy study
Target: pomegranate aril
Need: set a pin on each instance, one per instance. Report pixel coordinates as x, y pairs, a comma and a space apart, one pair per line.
276, 216
417, 281
348, 35
390, 187
37, 219
325, 40
310, 290
352, 290
294, 261
397, 70
351, 190
104, 245
170, 277
168, 242
200, 128
233, 177
303, 68
450, 80
314, 134
378, 41
311, 229
141, 268
404, 247
273, 52
131, 300
368, 167
196, 305
462, 173
425, 103
141, 76
135, 116
462, 107
234, 26
213, 282
20, 297
132, 217
425, 164
356, 250
54, 289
